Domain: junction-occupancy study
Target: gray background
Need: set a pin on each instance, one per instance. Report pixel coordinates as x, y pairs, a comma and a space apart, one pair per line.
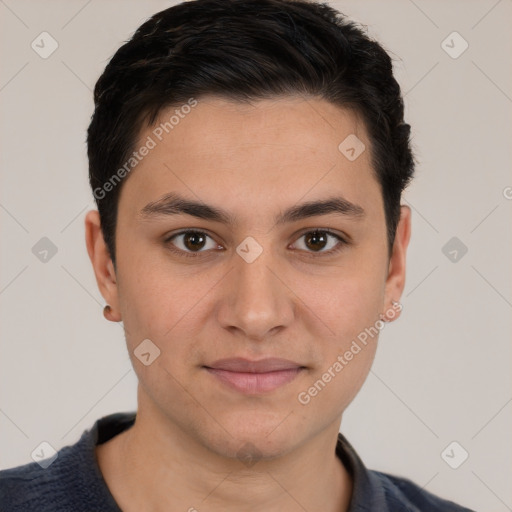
443, 370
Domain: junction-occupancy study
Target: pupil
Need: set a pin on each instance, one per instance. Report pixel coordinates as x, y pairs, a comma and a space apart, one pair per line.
315, 239
191, 239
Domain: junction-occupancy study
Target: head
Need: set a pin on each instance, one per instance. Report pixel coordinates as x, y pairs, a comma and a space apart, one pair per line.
280, 119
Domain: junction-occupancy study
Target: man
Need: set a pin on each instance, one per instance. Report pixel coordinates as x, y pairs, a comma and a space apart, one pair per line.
247, 158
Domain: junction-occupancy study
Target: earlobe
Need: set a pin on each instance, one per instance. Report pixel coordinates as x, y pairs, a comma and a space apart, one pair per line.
108, 314
102, 264
395, 281
393, 312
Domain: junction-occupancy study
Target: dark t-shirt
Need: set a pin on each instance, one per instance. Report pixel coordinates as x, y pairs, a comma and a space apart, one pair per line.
73, 481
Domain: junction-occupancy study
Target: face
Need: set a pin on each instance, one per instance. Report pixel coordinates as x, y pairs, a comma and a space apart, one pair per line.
254, 271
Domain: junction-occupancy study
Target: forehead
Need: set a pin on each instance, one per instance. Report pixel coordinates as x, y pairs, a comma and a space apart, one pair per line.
283, 148
312, 123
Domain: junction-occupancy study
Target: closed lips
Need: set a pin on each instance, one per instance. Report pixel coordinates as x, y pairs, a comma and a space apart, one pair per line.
241, 365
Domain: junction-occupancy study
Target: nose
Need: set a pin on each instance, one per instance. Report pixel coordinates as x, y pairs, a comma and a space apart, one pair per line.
257, 302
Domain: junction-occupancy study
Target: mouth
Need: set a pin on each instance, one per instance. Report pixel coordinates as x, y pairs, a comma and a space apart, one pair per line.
254, 377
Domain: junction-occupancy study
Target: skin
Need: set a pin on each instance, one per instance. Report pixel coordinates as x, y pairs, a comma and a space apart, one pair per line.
292, 302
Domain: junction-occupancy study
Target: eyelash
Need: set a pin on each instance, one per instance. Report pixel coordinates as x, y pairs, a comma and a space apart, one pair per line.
339, 246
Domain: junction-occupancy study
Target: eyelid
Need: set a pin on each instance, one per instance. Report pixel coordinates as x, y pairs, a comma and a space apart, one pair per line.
201, 231
342, 236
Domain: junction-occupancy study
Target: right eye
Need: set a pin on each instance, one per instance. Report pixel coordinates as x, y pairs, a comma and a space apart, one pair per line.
190, 243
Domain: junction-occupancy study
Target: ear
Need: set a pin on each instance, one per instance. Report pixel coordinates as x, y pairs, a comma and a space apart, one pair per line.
395, 281
102, 263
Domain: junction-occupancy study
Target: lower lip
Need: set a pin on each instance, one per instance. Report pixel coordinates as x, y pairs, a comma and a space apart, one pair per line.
253, 383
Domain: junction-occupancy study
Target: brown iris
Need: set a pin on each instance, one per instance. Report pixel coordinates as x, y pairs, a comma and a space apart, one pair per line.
194, 241
316, 240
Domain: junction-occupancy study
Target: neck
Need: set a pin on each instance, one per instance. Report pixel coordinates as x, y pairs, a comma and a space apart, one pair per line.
155, 467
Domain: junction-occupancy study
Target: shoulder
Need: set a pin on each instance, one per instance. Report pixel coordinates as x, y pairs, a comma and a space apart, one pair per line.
25, 487
71, 481
402, 494
50, 485
375, 490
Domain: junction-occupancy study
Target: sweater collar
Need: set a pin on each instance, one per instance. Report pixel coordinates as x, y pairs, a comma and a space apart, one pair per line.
366, 492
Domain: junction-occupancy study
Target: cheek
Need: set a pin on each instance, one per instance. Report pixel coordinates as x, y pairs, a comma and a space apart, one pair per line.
329, 392
171, 310
154, 310
146, 300
345, 303
350, 309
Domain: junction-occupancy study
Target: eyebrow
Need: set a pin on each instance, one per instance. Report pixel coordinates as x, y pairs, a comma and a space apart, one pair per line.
174, 204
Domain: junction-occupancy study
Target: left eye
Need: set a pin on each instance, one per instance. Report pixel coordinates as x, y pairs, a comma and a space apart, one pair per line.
318, 241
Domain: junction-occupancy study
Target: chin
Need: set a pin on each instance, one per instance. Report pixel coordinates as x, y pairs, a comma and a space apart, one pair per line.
253, 441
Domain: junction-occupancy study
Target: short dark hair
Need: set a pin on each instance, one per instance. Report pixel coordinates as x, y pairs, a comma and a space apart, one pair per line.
245, 50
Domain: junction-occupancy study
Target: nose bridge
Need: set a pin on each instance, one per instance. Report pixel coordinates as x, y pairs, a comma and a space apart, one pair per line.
258, 301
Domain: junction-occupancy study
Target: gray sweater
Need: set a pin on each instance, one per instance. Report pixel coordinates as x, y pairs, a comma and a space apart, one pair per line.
73, 481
